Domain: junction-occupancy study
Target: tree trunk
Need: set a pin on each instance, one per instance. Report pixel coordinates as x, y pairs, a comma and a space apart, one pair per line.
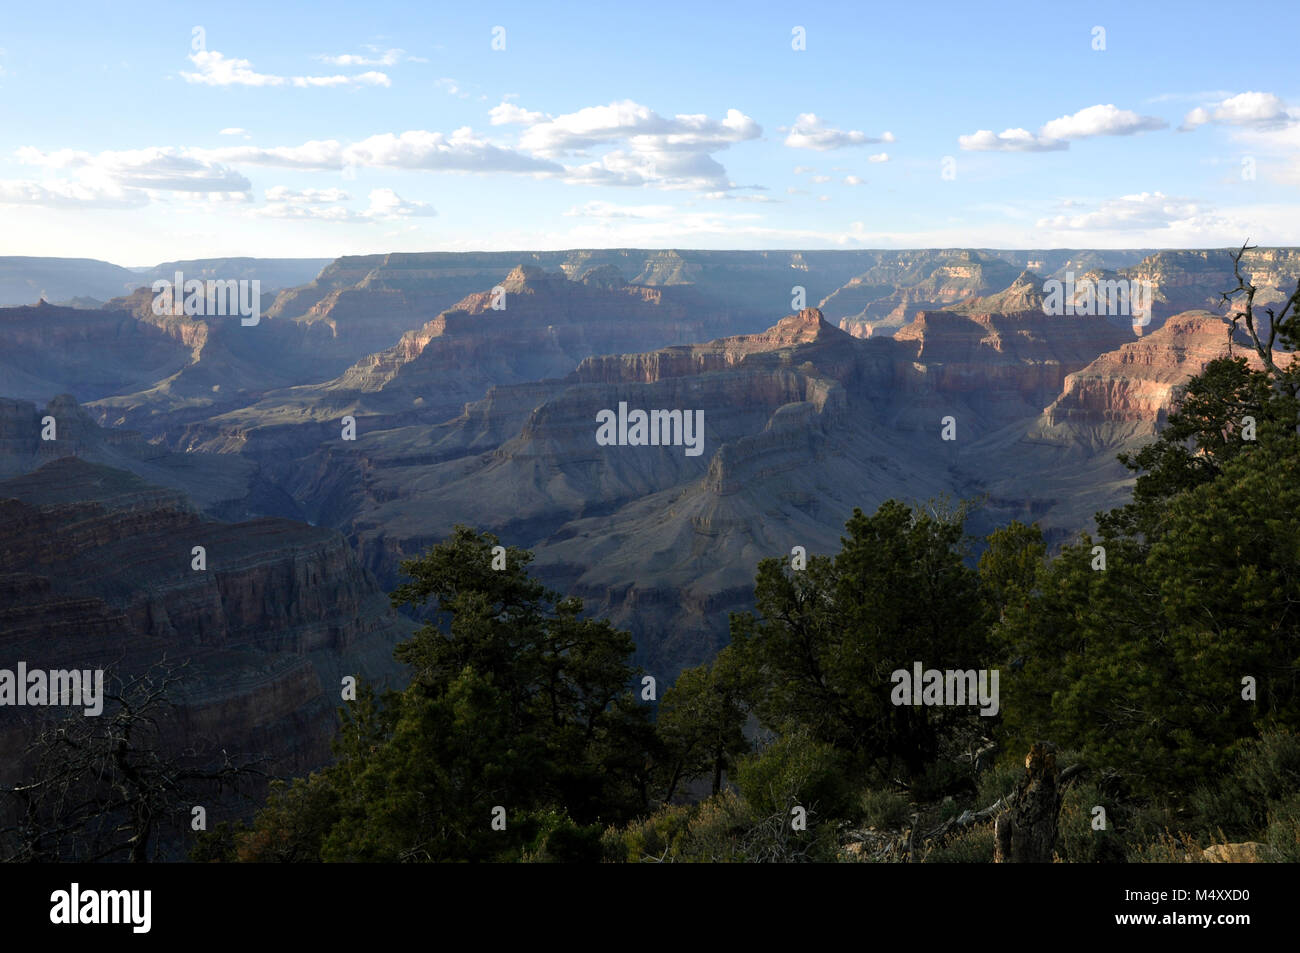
1026, 832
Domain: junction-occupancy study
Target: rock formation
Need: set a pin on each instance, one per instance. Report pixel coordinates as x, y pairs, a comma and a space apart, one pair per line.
97, 571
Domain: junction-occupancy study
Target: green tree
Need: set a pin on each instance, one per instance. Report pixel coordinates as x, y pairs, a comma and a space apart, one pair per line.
1010, 565
824, 642
701, 722
1141, 665
516, 701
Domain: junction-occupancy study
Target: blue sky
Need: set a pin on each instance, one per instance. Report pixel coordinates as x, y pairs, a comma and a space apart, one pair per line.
338, 128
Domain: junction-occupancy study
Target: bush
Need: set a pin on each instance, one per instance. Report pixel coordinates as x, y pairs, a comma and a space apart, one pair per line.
974, 846
1165, 848
1077, 841
560, 841
999, 781
1265, 775
884, 809
1284, 830
1223, 807
661, 836
796, 770
722, 829
940, 779
1269, 767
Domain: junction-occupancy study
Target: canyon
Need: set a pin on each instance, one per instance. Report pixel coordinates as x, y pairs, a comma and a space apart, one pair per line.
176, 431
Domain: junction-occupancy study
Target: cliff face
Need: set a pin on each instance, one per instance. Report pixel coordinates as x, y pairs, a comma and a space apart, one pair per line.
1136, 382
546, 326
630, 525
96, 571
46, 350
1194, 280
549, 324
806, 327
222, 486
229, 365
887, 296
1004, 367
1022, 296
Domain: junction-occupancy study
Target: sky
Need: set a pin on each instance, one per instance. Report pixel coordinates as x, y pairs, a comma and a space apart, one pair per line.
140, 132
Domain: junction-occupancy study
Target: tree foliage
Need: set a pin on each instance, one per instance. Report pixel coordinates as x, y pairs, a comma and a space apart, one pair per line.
516, 702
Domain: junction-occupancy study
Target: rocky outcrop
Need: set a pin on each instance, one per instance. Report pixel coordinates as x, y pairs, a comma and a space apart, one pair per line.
1136, 382
1022, 296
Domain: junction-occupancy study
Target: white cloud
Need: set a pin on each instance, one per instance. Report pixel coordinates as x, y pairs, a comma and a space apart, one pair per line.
215, 69
1101, 120
1197, 117
1009, 140
819, 179
385, 206
280, 193
462, 151
1144, 210
234, 131
1269, 224
811, 132
164, 169
665, 170
607, 210
1255, 109
648, 149
735, 197
451, 88
640, 127
70, 195
878, 157
509, 114
378, 57
1251, 109
803, 169
361, 79
1054, 136
852, 180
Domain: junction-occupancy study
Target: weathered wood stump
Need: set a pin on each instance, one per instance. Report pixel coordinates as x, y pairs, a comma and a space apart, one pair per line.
1025, 833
